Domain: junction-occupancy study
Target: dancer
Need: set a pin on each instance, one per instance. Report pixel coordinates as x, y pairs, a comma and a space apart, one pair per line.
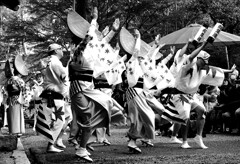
50, 119
91, 106
140, 101
105, 83
16, 93
103, 58
193, 72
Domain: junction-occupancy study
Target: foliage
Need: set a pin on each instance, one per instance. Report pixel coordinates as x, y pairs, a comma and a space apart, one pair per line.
38, 23
46, 20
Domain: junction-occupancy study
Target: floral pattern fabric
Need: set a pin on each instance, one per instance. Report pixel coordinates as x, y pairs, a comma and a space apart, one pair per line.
23, 97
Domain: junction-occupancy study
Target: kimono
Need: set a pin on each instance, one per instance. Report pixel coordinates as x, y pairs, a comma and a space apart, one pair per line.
15, 112
91, 107
188, 78
51, 117
141, 103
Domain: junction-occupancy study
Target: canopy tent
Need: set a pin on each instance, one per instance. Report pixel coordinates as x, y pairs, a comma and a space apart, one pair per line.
180, 37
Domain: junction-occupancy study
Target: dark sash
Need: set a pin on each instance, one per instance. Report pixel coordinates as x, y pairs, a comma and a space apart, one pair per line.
50, 96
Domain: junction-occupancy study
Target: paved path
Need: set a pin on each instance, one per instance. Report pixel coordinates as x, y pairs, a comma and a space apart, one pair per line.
17, 156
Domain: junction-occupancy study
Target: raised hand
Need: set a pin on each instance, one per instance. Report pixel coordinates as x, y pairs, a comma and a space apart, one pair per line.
117, 46
172, 49
233, 67
116, 24
105, 31
137, 33
95, 13
157, 39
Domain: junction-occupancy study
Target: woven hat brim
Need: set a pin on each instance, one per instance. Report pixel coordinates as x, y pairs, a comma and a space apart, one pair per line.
127, 42
20, 65
77, 24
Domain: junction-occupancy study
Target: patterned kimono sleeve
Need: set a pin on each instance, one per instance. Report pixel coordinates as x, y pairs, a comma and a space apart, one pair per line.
167, 58
109, 36
92, 28
133, 69
186, 66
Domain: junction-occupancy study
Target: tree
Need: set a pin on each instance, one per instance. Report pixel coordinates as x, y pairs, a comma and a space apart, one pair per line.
40, 22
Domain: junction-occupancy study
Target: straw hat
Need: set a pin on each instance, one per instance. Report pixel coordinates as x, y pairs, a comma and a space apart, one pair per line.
20, 65
127, 42
77, 24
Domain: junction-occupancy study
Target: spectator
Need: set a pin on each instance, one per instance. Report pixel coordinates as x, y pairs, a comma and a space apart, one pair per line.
210, 101
231, 102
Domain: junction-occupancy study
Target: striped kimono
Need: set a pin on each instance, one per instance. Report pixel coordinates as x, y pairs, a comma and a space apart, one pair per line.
51, 117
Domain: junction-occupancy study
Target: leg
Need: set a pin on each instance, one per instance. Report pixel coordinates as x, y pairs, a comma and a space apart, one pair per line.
35, 120
80, 105
59, 142
85, 137
176, 128
5, 115
200, 119
200, 125
101, 136
185, 144
74, 129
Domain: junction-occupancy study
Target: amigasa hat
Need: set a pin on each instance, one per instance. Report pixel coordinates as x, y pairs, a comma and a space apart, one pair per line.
20, 65
127, 42
77, 24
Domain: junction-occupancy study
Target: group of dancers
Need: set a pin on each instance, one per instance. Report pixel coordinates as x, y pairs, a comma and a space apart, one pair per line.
92, 109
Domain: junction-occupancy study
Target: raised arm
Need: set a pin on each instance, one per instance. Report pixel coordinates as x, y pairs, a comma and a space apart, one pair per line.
157, 46
115, 27
229, 70
196, 51
94, 24
105, 31
172, 52
184, 49
137, 47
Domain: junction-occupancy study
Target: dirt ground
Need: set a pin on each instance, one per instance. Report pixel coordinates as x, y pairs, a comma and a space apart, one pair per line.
222, 149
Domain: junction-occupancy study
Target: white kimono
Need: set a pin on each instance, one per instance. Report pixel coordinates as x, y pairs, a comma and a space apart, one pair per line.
188, 80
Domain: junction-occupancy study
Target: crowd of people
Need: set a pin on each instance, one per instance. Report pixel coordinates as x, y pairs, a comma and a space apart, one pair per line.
99, 88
